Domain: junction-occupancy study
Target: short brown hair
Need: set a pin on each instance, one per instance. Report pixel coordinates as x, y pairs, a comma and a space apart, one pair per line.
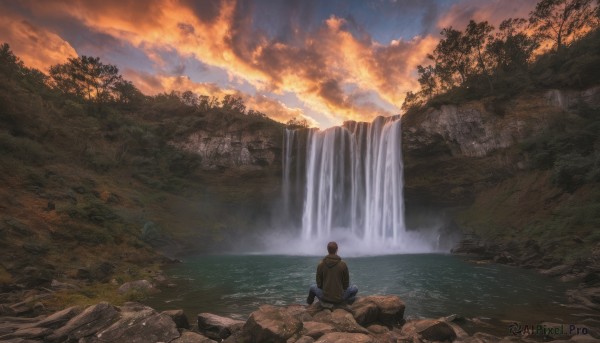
332, 247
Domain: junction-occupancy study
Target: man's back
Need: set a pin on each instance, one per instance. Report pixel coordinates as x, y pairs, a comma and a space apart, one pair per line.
333, 278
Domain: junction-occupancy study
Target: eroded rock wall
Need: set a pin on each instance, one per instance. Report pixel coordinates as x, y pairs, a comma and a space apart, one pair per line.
236, 146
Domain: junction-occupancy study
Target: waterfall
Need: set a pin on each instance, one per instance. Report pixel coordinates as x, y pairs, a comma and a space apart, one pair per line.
288, 144
353, 183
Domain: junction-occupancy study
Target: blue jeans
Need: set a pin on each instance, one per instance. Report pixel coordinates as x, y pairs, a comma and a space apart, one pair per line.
348, 296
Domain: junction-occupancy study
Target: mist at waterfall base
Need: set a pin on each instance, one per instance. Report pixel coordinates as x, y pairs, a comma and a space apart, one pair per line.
345, 184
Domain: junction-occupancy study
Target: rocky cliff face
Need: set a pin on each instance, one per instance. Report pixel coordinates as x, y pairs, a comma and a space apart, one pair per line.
236, 146
478, 128
454, 151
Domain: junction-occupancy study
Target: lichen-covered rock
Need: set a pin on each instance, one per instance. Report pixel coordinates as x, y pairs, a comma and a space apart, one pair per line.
218, 327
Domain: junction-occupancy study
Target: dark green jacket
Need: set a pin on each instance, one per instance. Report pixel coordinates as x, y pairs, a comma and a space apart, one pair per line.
333, 278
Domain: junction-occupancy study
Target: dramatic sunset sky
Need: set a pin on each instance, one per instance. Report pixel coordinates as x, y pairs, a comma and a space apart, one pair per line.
326, 61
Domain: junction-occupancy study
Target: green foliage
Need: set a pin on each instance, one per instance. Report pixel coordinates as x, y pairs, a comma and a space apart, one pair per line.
93, 211
512, 49
93, 164
233, 103
89, 79
568, 150
22, 148
573, 67
183, 163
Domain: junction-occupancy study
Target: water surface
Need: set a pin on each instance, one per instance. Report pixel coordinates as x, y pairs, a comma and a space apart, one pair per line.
431, 285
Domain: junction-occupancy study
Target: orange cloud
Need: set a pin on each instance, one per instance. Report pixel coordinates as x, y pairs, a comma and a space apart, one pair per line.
334, 58
37, 47
330, 69
154, 84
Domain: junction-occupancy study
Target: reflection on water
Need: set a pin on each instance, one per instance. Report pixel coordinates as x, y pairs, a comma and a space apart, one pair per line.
431, 285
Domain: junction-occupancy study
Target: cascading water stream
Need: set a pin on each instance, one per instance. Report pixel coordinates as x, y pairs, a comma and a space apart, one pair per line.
353, 184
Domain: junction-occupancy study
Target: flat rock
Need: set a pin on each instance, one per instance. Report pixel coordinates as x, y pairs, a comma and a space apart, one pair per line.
344, 337
88, 322
192, 337
270, 324
217, 327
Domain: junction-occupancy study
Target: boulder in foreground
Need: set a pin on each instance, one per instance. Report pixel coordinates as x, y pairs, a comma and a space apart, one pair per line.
217, 327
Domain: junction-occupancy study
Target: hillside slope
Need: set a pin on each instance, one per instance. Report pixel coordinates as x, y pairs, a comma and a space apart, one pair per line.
97, 193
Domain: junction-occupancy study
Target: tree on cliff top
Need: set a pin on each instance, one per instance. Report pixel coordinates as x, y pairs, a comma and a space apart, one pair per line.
562, 21
512, 49
297, 123
89, 79
452, 58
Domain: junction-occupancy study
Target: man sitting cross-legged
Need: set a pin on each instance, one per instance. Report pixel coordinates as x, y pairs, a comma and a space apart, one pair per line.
333, 280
